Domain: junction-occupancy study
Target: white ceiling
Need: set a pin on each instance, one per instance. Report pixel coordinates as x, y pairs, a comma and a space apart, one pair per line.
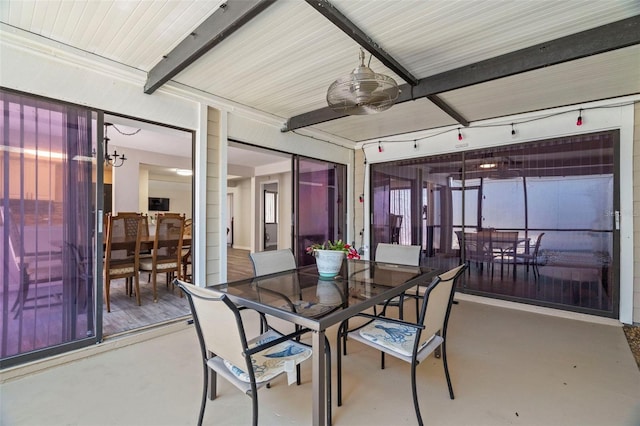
283, 60
145, 136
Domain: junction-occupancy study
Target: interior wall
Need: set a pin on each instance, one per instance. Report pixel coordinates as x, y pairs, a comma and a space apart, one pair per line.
241, 191
127, 197
143, 192
283, 180
178, 193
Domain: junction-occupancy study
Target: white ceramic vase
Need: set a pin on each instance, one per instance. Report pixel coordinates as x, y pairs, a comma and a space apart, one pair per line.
328, 262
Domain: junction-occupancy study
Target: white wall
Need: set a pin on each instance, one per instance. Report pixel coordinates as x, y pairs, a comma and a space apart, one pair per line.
241, 190
143, 191
178, 193
269, 135
284, 209
128, 197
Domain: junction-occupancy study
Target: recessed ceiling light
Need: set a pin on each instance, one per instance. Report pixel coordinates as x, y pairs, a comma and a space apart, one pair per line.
488, 165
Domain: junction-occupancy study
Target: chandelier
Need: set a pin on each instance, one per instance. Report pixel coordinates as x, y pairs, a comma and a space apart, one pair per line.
115, 159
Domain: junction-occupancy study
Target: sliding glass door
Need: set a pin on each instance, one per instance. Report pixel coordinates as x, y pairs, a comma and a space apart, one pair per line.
47, 227
535, 221
320, 210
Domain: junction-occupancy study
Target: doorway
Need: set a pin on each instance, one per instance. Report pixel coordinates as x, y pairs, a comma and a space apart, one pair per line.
281, 201
270, 216
155, 179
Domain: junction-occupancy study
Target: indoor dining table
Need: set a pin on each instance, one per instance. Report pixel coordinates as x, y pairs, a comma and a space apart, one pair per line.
300, 296
146, 242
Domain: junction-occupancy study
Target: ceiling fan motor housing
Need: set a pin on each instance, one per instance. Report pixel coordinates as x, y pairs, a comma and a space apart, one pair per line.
362, 92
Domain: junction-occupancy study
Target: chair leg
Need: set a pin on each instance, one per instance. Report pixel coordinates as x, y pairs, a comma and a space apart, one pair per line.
446, 369
254, 403
327, 353
414, 392
136, 280
382, 360
203, 403
154, 278
297, 328
342, 332
107, 287
339, 341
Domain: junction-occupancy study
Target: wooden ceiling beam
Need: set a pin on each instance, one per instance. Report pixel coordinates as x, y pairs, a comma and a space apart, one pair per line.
229, 17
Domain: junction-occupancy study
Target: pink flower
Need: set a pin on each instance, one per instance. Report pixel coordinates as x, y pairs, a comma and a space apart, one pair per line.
352, 253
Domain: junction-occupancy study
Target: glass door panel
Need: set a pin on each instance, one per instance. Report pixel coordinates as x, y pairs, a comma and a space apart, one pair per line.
47, 222
534, 221
320, 208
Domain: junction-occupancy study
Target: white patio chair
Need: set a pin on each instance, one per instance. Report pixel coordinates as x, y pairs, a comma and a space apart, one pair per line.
272, 261
399, 255
247, 363
410, 342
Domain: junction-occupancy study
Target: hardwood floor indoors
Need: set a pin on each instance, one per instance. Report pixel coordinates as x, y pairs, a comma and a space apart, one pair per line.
126, 315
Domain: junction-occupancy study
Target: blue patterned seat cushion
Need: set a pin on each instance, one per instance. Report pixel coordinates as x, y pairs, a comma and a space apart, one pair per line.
396, 337
271, 362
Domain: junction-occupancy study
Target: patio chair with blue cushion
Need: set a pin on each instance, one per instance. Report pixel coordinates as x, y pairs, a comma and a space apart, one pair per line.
247, 363
411, 342
272, 262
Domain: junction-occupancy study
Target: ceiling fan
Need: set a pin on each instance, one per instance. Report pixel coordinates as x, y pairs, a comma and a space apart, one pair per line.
362, 92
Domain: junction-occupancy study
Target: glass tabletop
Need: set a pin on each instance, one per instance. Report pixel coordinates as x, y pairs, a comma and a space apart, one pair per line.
303, 297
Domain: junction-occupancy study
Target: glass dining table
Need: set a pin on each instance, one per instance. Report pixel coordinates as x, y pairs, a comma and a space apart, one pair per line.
302, 297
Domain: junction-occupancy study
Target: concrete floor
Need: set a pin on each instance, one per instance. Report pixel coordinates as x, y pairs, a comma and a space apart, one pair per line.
507, 366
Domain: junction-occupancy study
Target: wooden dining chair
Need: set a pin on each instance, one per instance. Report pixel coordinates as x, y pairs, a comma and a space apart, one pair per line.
122, 254
187, 257
408, 341
166, 256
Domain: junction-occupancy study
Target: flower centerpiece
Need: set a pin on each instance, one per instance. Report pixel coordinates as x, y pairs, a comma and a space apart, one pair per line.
329, 256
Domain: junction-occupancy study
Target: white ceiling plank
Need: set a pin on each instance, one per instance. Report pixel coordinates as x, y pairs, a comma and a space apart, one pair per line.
284, 60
